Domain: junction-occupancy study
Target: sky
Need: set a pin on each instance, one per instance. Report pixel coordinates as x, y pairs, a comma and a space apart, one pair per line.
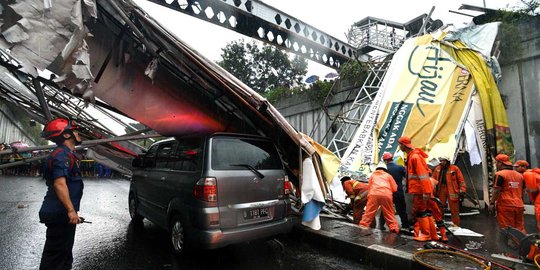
333, 17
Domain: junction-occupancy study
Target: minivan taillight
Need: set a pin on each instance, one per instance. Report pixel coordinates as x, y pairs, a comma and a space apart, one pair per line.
206, 189
287, 187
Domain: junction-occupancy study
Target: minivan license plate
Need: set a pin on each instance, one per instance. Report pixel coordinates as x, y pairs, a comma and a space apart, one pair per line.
256, 213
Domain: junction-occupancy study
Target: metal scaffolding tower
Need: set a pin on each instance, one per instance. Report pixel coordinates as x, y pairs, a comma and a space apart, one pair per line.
381, 38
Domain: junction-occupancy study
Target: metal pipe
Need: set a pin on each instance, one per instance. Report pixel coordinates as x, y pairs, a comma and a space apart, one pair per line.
426, 20
84, 143
524, 110
22, 162
41, 99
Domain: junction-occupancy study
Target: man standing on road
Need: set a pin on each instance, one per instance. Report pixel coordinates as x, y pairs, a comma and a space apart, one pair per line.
507, 195
64, 192
398, 173
418, 184
451, 186
357, 193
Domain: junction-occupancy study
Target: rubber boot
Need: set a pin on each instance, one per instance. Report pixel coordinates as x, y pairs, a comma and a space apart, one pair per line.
442, 230
422, 233
433, 229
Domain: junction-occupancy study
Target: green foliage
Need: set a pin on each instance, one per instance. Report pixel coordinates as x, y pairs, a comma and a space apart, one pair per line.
316, 92
511, 46
319, 90
353, 71
280, 92
262, 68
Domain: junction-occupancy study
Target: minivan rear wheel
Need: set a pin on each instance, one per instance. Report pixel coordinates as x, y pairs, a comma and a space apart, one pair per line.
177, 235
133, 213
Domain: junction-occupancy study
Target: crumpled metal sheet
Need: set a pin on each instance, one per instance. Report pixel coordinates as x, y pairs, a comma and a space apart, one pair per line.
48, 30
15, 34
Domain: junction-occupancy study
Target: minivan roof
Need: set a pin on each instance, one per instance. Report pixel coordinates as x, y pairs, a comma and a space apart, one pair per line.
220, 134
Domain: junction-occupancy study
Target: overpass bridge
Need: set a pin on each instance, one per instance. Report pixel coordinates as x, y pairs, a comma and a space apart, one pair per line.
125, 39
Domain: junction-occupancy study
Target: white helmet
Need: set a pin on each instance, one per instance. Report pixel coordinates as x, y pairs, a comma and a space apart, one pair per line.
444, 157
381, 165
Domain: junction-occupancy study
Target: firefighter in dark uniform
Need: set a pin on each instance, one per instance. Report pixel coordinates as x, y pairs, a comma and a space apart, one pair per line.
64, 191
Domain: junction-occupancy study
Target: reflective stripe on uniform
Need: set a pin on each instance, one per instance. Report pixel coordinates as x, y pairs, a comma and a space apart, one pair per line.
418, 177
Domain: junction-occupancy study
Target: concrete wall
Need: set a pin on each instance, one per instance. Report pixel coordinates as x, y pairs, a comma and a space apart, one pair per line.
303, 114
520, 89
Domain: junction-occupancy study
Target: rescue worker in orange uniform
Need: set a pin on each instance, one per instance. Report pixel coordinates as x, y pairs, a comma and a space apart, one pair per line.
529, 177
537, 199
399, 173
451, 186
532, 183
419, 185
507, 195
381, 187
357, 192
436, 211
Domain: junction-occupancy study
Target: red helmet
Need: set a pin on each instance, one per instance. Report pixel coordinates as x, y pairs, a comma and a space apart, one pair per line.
58, 126
387, 156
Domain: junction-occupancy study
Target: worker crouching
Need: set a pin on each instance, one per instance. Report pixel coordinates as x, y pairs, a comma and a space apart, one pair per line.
357, 193
381, 187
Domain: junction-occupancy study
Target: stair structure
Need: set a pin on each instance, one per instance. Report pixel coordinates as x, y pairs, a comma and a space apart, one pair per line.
378, 39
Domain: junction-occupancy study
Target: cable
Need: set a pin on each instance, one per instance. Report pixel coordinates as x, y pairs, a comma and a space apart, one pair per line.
417, 256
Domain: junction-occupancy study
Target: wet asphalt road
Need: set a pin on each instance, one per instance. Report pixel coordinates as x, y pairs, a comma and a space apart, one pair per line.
110, 242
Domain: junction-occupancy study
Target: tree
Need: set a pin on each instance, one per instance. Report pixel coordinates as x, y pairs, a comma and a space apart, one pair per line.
262, 68
516, 24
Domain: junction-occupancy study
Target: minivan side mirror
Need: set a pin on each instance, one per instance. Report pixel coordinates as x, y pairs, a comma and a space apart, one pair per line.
138, 162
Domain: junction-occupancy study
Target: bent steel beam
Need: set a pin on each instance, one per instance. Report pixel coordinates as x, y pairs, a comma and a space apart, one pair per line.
270, 25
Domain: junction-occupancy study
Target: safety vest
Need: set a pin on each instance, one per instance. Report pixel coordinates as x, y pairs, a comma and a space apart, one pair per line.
511, 188
454, 181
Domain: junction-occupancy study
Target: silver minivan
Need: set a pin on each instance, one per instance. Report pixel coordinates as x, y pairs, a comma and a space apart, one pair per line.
211, 191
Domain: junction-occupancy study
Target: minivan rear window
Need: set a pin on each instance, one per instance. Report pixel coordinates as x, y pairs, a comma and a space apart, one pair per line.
227, 153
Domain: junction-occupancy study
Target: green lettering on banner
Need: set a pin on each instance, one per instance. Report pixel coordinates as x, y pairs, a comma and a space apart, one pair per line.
393, 127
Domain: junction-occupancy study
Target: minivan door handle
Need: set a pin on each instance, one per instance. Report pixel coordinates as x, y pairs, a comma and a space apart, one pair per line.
162, 178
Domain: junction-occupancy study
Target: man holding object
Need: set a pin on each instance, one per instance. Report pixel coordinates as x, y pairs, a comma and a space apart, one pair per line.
64, 193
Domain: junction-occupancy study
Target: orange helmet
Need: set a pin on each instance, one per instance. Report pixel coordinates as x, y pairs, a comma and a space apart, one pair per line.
57, 127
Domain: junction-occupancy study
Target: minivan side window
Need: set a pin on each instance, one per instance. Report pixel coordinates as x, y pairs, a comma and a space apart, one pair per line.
149, 157
260, 154
164, 154
187, 155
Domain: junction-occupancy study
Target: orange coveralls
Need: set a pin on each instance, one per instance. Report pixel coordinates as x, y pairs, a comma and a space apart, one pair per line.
418, 182
437, 213
419, 185
532, 184
510, 202
354, 190
450, 191
381, 187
